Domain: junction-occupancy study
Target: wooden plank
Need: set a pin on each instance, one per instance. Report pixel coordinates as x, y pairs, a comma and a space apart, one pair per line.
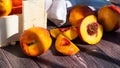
3, 60
105, 54
110, 45
89, 56
98, 58
17, 59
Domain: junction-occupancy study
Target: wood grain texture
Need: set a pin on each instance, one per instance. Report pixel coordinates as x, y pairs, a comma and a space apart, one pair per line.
3, 60
105, 54
17, 59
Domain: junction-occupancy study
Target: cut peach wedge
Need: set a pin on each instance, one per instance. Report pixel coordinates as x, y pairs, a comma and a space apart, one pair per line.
54, 32
90, 31
69, 32
65, 46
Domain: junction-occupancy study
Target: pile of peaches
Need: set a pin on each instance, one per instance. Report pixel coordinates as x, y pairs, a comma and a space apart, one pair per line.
85, 24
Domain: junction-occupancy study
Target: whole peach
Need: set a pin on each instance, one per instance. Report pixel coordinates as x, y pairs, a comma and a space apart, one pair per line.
109, 17
35, 41
5, 7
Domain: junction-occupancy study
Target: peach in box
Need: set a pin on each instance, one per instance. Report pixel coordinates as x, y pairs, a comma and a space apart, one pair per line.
90, 31
16, 7
65, 46
35, 41
16, 2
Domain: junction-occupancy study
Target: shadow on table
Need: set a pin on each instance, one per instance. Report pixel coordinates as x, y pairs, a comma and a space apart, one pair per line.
42, 62
53, 49
15, 50
100, 55
113, 37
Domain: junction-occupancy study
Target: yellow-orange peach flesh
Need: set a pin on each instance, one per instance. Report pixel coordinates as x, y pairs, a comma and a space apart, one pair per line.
69, 32
90, 31
65, 46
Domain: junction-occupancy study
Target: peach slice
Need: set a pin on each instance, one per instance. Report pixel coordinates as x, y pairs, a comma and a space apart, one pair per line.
90, 31
109, 17
65, 46
54, 32
77, 13
35, 41
69, 32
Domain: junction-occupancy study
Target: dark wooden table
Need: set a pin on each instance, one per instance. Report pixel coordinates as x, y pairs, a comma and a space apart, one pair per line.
105, 54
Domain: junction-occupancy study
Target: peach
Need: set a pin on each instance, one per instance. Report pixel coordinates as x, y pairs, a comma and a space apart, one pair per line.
35, 41
77, 13
90, 31
16, 7
69, 32
16, 10
16, 3
65, 46
109, 17
5, 7
54, 32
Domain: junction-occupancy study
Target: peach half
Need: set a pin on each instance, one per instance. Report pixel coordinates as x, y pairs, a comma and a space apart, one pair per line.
109, 17
65, 46
35, 41
90, 31
78, 12
69, 32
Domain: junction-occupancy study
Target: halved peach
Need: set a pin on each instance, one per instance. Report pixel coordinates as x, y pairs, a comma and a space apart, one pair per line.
65, 46
69, 32
78, 12
90, 31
